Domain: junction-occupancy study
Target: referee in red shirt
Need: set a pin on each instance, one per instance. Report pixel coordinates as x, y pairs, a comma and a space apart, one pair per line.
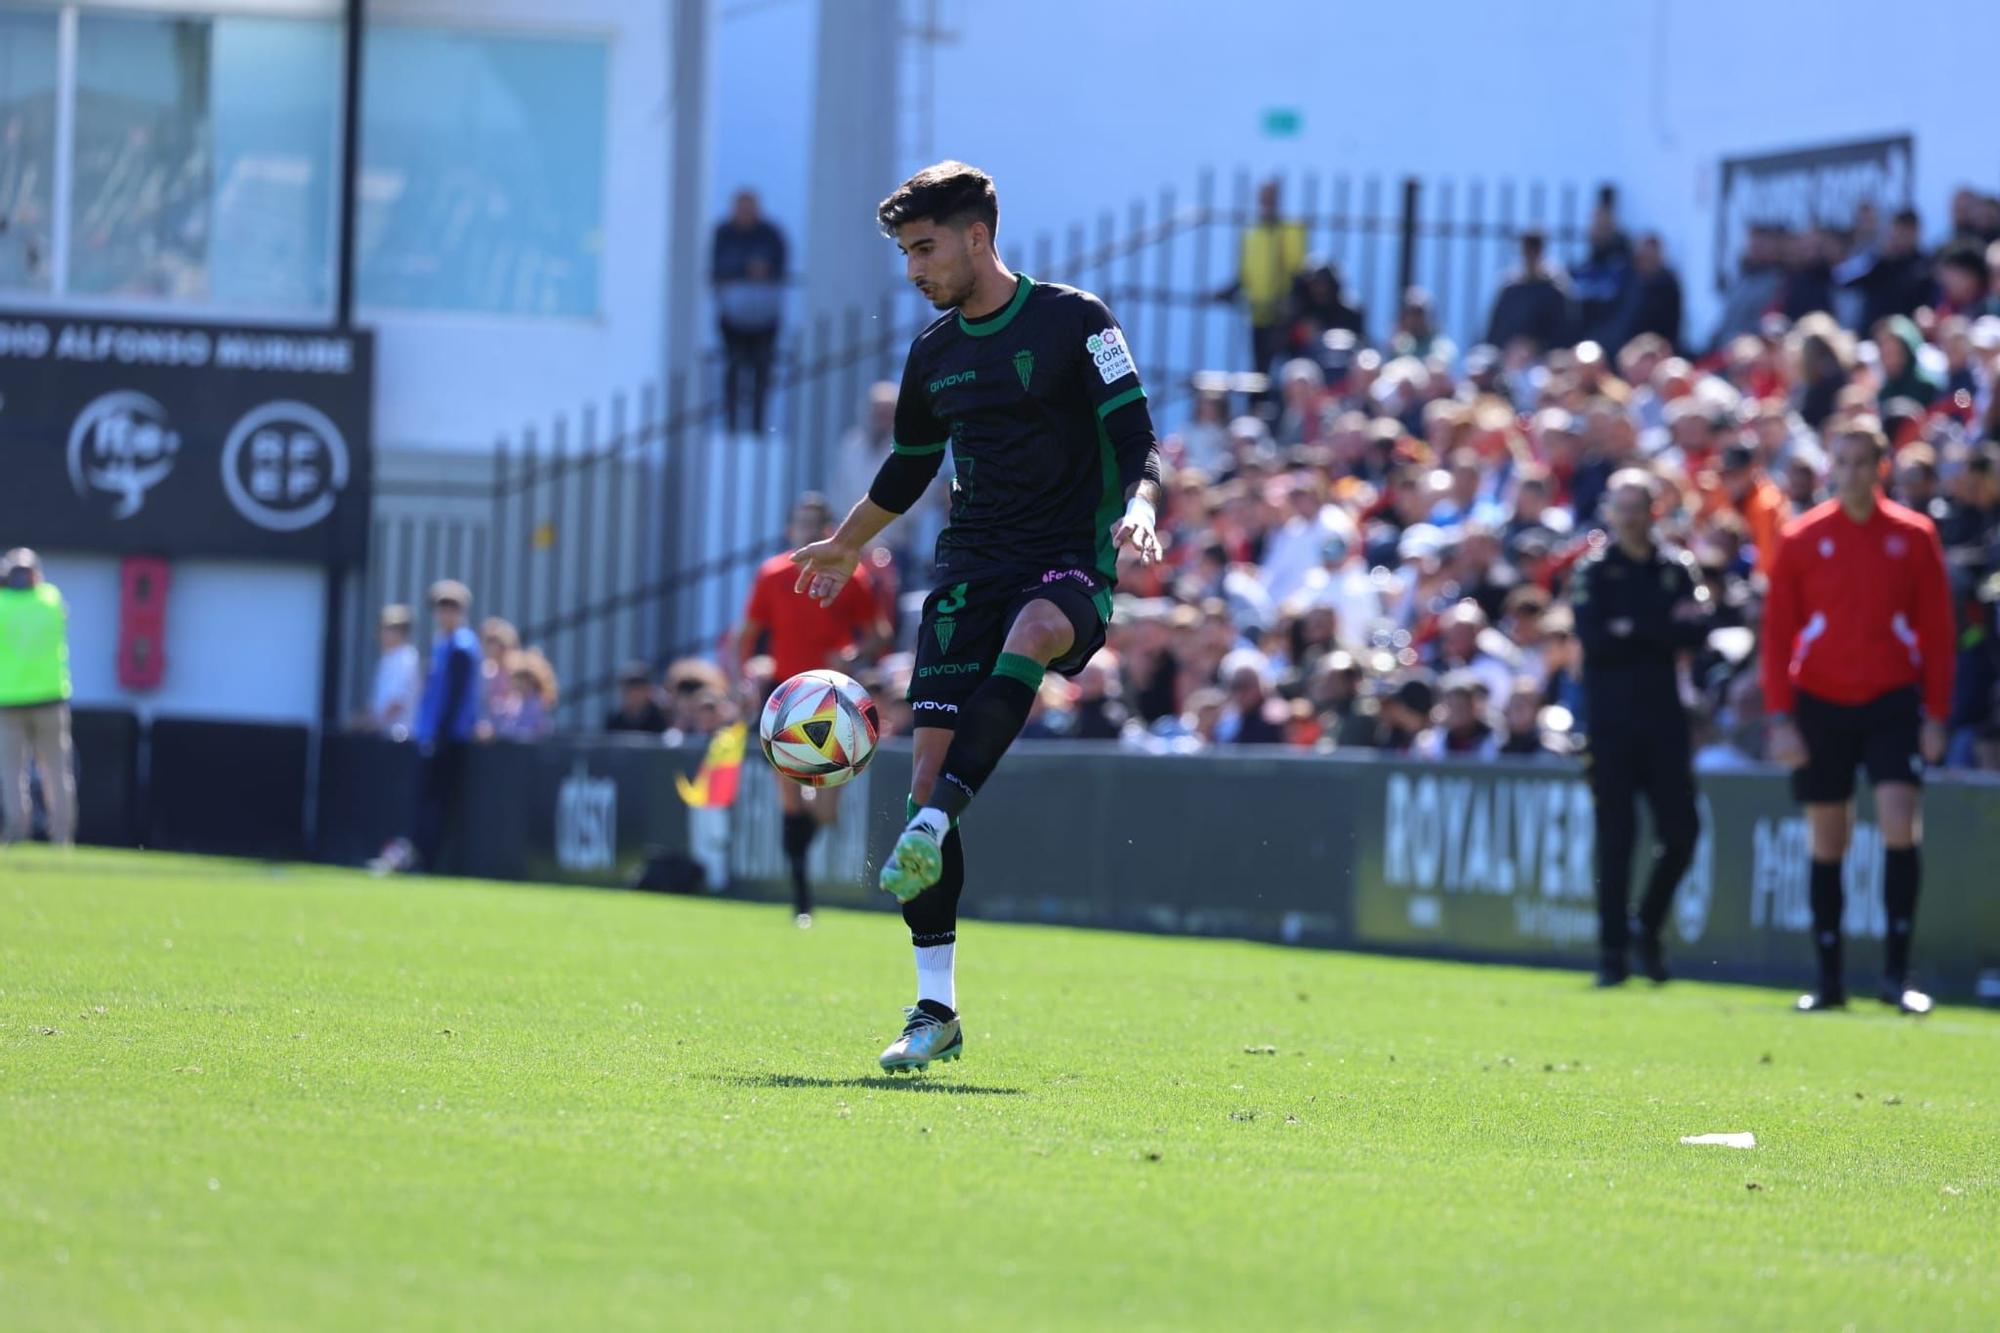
1857, 665
805, 636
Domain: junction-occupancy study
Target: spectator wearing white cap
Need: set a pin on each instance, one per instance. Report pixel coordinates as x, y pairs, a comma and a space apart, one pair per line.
1460, 646
399, 678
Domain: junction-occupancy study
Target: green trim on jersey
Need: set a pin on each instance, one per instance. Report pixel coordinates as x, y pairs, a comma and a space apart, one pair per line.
994, 323
1109, 507
920, 450
1131, 395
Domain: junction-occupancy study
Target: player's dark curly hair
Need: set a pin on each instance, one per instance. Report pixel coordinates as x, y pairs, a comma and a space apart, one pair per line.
949, 194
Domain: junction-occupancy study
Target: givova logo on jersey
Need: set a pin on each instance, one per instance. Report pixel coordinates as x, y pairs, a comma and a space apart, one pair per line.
1111, 354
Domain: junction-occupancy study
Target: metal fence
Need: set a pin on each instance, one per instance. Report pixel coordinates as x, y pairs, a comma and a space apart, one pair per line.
631, 530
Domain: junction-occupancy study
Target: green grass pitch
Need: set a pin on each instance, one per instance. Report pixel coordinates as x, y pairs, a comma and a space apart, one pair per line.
234, 1096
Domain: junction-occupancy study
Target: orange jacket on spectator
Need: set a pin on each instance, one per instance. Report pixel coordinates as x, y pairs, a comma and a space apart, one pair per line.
1765, 510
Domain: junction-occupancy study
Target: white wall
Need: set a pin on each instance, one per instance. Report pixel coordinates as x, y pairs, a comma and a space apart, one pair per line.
243, 640
1082, 108
459, 381
763, 91
1737, 78
1126, 100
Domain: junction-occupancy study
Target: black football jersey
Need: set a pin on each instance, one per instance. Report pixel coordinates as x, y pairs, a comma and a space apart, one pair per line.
1021, 397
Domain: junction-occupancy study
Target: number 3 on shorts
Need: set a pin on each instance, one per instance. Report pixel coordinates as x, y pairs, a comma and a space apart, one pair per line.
953, 602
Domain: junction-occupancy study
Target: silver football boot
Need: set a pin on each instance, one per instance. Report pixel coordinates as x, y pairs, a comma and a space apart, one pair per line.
926, 1037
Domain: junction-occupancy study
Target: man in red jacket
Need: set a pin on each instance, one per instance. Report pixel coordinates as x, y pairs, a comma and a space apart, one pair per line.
801, 635
1857, 671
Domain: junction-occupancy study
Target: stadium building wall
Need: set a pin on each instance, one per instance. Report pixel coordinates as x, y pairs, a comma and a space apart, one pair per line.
1082, 108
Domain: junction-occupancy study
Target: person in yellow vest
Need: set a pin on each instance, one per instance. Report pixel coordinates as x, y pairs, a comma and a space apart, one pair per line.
34, 699
1270, 255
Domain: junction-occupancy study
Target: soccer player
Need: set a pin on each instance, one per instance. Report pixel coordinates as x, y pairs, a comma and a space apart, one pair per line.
1033, 387
1857, 672
1639, 606
805, 636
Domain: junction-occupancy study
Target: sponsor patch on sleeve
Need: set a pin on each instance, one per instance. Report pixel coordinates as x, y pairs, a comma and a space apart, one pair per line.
1112, 356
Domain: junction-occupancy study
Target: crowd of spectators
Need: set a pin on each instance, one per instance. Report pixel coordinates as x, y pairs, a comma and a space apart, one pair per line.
1373, 551
518, 691
517, 686
1369, 542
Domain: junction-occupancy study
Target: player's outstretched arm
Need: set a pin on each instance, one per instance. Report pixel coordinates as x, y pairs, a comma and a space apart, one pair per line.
825, 567
1110, 377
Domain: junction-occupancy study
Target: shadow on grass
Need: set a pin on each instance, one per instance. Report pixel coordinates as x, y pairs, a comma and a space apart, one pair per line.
885, 1082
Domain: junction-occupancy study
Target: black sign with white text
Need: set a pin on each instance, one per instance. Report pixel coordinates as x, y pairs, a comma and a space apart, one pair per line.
184, 439
1809, 187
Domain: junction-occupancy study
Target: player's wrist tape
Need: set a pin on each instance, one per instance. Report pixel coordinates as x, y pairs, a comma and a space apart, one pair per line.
1141, 509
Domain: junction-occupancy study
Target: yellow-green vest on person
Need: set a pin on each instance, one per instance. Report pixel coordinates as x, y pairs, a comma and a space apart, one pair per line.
34, 646
1270, 256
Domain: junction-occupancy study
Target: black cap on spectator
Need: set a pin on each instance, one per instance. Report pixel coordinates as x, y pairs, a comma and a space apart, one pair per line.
1415, 694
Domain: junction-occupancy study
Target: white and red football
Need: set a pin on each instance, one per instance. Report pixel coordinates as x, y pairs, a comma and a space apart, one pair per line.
819, 728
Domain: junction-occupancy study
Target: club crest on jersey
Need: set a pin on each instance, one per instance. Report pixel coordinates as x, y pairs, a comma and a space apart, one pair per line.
1024, 365
1895, 546
1110, 354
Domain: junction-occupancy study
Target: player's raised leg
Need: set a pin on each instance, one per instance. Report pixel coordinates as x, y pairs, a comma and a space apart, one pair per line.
931, 1028
988, 722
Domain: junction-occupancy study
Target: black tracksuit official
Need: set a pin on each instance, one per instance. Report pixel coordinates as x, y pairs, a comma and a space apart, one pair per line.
1634, 616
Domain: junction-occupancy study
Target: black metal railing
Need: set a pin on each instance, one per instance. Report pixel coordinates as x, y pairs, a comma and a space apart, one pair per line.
632, 533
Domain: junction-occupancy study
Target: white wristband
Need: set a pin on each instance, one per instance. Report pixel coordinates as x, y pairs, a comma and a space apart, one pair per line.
1140, 507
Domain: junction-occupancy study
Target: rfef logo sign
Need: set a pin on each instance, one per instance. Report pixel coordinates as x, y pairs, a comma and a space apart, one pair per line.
142, 437
284, 465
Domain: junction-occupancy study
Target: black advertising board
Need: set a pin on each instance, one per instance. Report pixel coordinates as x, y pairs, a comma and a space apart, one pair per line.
138, 437
1480, 861
1807, 187
1495, 861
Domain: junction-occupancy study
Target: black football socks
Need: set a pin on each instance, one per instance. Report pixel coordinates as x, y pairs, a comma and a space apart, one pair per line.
987, 724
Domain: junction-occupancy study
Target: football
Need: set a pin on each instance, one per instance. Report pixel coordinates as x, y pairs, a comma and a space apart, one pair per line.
819, 728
